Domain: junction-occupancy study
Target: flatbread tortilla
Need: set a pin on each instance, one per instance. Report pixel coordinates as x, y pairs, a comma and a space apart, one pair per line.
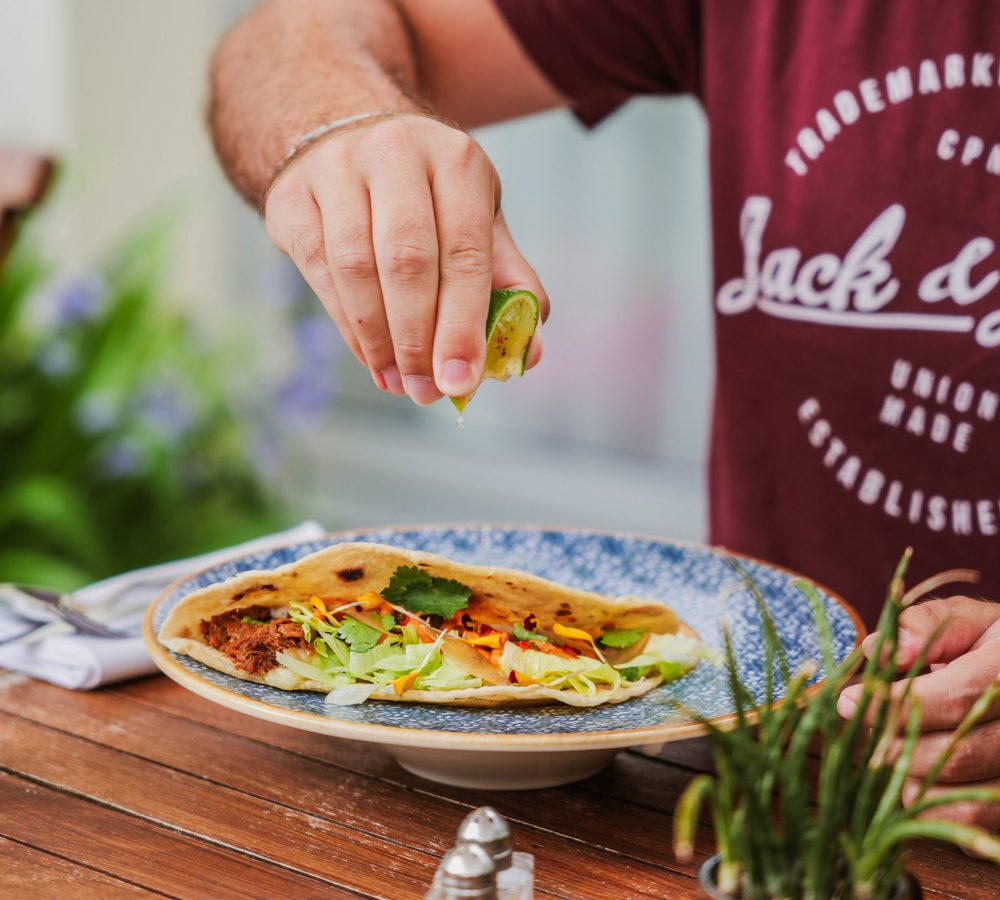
500, 597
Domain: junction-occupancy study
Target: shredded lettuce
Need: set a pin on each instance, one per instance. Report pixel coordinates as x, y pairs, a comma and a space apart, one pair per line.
446, 677
349, 661
364, 664
350, 694
306, 670
671, 656
579, 674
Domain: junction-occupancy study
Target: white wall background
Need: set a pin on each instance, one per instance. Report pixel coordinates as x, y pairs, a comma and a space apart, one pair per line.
608, 432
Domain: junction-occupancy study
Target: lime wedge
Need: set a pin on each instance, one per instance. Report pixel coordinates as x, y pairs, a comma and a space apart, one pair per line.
510, 324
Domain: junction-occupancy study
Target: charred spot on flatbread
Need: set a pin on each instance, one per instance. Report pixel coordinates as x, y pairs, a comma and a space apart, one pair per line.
355, 573
253, 589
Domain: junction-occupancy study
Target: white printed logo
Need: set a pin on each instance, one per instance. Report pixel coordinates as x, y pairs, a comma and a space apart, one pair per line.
855, 291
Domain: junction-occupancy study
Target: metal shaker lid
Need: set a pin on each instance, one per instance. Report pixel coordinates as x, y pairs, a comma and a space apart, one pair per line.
467, 872
486, 828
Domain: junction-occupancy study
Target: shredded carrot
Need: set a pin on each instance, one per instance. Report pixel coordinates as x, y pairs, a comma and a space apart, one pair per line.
402, 684
494, 641
578, 634
370, 600
425, 636
319, 606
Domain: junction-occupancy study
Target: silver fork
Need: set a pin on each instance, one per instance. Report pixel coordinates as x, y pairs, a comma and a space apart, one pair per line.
40, 604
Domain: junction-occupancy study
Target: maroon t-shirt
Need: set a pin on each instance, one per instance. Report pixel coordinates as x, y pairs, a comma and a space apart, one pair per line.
855, 175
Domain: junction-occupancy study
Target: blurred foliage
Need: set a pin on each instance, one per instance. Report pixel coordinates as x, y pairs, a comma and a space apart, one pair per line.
117, 445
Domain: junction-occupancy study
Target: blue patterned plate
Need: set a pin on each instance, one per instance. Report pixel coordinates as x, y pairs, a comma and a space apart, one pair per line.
536, 746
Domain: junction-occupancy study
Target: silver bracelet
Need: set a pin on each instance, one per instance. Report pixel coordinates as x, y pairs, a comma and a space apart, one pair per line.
336, 124
315, 134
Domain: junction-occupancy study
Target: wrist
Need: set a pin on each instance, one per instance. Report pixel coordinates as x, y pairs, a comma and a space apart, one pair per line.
317, 136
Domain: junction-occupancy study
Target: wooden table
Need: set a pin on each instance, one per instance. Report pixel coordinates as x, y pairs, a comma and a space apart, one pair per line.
146, 788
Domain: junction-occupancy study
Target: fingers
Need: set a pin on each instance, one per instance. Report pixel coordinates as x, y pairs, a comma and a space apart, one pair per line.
945, 695
983, 815
396, 228
350, 258
295, 225
511, 270
406, 252
534, 356
977, 758
465, 203
966, 619
964, 624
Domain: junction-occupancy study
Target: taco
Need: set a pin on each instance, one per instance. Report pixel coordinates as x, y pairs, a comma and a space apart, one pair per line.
362, 621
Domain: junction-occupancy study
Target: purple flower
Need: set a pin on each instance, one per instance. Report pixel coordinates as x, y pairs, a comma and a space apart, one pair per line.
166, 410
265, 452
304, 396
316, 341
310, 389
80, 298
123, 459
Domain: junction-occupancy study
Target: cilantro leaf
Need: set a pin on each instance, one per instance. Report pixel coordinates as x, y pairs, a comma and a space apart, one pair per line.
249, 621
621, 637
358, 636
419, 592
522, 634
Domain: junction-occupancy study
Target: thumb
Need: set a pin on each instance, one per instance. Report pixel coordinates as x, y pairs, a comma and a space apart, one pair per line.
511, 270
962, 621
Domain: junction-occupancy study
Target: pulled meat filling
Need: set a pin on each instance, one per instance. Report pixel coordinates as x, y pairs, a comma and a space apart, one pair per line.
251, 646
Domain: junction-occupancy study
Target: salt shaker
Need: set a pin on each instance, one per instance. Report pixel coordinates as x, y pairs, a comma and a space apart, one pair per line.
466, 873
487, 829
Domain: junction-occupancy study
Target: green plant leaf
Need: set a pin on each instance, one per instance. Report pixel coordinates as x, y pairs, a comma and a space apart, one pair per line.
55, 508
37, 567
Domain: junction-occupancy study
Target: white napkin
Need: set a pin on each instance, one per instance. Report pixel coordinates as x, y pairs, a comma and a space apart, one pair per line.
54, 653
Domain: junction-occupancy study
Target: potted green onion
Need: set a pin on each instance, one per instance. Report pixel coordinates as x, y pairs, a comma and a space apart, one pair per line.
777, 836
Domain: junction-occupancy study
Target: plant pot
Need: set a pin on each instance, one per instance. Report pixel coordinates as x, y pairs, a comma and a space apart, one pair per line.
907, 888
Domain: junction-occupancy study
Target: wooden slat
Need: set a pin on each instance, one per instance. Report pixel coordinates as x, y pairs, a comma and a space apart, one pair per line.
578, 814
654, 783
132, 849
27, 872
282, 834
262, 770
613, 829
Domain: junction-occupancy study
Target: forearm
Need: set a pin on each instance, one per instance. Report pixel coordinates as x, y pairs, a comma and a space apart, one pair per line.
289, 67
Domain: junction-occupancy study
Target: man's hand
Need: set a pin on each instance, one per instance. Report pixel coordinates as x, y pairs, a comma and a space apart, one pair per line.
963, 660
395, 222
397, 228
